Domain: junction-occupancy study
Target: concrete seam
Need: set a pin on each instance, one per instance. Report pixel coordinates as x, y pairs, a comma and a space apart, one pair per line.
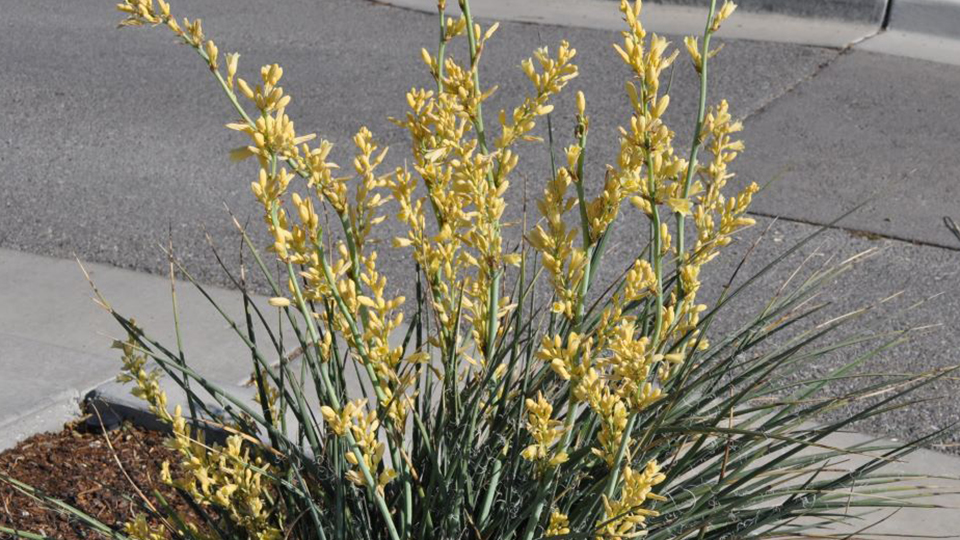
820, 68
796, 84
64, 398
854, 231
816, 72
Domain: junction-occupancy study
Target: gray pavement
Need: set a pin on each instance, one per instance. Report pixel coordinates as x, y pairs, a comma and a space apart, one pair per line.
839, 23
869, 11
113, 135
866, 126
109, 138
936, 17
55, 340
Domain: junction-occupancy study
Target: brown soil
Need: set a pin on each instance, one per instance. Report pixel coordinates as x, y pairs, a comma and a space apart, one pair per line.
77, 466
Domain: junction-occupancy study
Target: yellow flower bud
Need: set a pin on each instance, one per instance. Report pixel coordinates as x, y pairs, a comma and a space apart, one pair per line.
245, 89
559, 525
174, 27
581, 103
661, 106
427, 59
693, 49
232, 60
490, 31
212, 54
725, 11
279, 301
165, 475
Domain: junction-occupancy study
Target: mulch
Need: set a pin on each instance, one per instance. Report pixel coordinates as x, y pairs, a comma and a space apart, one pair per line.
77, 465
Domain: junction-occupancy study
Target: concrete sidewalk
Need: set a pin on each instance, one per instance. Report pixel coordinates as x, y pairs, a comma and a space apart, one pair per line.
55, 341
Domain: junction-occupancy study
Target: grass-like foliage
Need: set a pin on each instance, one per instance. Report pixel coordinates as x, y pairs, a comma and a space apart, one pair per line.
521, 400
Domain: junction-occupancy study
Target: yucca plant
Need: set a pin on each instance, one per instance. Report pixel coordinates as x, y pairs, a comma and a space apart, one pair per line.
523, 399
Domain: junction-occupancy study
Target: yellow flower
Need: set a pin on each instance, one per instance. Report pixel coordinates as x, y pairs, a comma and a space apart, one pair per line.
559, 524
625, 517
546, 433
212, 54
693, 49
279, 301
725, 11
233, 60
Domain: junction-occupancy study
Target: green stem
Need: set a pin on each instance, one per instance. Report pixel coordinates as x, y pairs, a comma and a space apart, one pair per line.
584, 226
191, 402
621, 453
697, 139
475, 69
581, 196
491, 492
441, 49
656, 257
335, 402
492, 319
494, 293
547, 480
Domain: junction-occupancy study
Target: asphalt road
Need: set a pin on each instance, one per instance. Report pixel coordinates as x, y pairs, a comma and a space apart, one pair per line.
111, 138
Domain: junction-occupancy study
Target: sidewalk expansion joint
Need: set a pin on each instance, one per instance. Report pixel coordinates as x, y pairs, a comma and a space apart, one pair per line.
860, 233
806, 79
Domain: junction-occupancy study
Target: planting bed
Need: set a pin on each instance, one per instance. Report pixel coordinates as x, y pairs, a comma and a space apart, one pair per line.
77, 466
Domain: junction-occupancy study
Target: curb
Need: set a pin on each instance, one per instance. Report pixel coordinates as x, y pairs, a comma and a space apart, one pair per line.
50, 415
922, 29
54, 357
108, 410
863, 11
939, 18
680, 17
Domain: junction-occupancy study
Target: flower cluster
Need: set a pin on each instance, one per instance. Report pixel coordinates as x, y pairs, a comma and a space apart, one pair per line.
465, 182
228, 478
343, 281
546, 433
626, 515
591, 371
617, 366
364, 426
